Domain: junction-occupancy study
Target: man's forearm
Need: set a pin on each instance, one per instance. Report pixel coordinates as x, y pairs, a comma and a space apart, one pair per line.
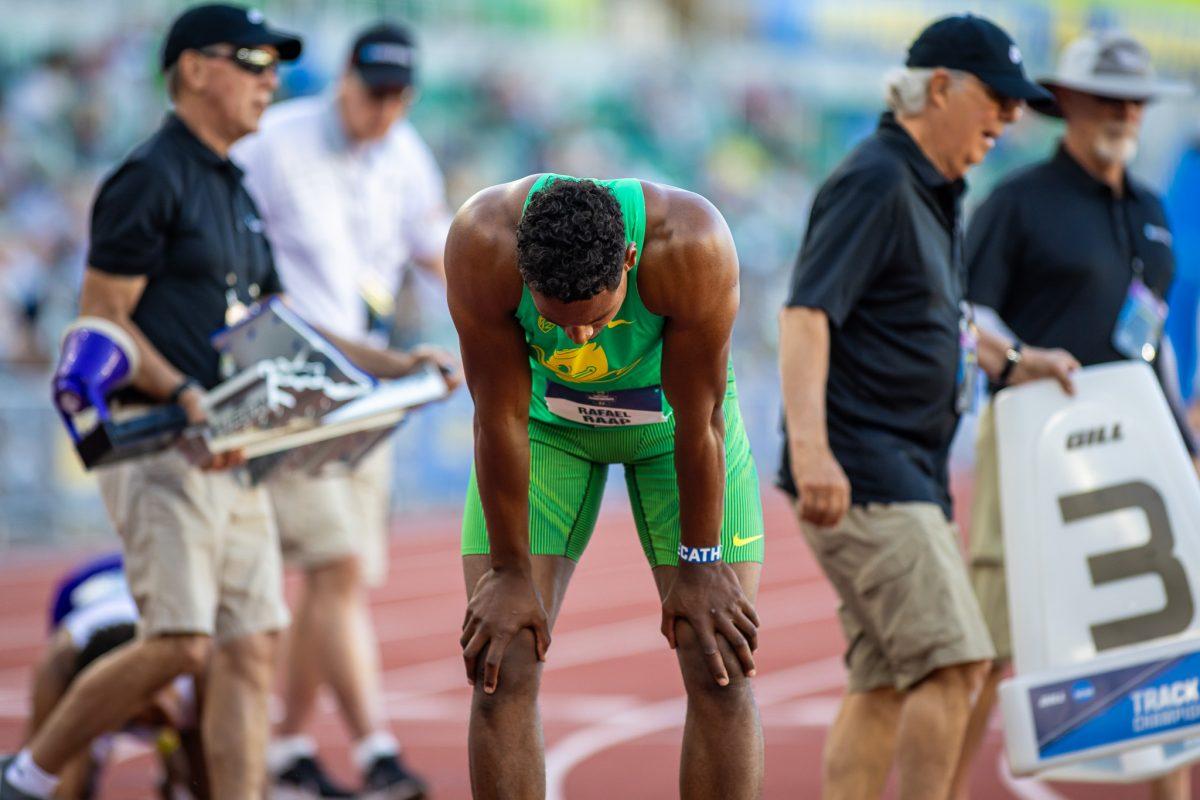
371, 360
502, 475
700, 476
804, 369
993, 349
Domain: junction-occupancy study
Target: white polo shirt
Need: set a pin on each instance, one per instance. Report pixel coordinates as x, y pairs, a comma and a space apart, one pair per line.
343, 219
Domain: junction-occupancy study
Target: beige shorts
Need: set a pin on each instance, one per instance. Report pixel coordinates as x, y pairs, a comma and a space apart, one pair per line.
201, 549
987, 537
338, 513
907, 607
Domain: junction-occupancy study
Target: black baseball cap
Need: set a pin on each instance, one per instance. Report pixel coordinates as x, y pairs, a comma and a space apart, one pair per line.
973, 44
216, 23
384, 56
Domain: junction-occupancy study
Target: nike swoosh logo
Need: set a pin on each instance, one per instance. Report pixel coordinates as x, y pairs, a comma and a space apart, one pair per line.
739, 541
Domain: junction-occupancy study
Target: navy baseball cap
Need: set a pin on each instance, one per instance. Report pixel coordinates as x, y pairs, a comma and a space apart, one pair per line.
217, 23
384, 56
973, 44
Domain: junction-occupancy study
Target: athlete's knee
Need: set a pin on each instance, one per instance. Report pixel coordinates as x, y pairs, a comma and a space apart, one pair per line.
519, 678
180, 653
698, 679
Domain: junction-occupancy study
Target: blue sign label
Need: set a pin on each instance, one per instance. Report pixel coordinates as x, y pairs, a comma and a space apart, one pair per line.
1118, 705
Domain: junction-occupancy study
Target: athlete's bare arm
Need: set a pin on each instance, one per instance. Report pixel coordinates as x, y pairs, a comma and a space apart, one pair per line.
689, 275
484, 289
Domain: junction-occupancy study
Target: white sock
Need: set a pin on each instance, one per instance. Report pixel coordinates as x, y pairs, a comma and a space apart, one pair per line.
28, 777
285, 751
373, 746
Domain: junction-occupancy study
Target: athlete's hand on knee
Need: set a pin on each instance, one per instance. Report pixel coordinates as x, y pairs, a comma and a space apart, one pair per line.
504, 602
710, 599
821, 483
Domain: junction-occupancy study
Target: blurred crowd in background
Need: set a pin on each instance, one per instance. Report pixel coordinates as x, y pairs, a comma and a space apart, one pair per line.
747, 103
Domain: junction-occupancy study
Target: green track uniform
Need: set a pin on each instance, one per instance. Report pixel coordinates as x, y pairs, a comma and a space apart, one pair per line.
602, 403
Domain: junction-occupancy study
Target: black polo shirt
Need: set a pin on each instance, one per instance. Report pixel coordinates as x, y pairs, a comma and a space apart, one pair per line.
882, 259
1052, 251
177, 213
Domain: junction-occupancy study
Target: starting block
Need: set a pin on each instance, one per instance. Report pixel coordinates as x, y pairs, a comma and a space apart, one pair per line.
1101, 510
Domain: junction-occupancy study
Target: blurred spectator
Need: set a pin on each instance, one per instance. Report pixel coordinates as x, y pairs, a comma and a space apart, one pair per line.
1183, 210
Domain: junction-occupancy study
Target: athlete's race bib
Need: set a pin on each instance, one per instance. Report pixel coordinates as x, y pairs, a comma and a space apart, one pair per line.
602, 409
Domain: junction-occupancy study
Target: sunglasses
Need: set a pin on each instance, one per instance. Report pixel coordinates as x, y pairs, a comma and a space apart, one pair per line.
254, 60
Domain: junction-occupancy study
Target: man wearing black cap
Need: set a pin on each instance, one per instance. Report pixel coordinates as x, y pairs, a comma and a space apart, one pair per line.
1060, 252
877, 362
176, 249
349, 194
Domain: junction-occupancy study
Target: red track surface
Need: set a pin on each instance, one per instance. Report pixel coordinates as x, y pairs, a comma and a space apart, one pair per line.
612, 697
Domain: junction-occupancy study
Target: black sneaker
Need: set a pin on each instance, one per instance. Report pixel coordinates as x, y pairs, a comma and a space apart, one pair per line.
305, 780
7, 790
387, 779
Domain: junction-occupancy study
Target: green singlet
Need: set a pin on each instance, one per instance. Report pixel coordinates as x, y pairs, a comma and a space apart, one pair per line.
602, 403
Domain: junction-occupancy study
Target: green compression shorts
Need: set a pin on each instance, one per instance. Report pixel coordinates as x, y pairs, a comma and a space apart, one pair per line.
567, 471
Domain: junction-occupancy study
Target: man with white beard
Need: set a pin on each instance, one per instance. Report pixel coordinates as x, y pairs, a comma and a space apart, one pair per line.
1071, 253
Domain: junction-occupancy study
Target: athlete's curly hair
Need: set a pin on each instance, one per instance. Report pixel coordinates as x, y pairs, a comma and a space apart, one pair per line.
571, 241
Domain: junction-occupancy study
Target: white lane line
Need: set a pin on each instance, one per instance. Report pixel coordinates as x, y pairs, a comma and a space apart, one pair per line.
1023, 788
577, 747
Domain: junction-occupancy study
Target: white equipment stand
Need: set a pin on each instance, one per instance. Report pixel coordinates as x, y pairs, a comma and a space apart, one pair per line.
1101, 509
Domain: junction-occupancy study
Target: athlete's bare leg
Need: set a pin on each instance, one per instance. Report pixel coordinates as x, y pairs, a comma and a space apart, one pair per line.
722, 734
507, 754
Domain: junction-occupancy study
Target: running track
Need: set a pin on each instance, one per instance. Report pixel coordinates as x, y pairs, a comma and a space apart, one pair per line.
612, 700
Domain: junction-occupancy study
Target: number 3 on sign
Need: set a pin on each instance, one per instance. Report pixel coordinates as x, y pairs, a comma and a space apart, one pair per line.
1155, 557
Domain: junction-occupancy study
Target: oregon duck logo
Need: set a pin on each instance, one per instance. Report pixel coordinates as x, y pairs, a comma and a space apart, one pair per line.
586, 364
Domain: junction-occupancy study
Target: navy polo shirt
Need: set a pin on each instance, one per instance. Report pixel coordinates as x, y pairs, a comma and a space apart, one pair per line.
882, 258
1052, 250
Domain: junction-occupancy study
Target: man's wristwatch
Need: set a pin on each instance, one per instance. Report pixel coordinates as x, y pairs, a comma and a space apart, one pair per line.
184, 385
1012, 357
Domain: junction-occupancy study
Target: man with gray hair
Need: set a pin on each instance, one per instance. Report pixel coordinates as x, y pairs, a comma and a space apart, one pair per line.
1068, 253
877, 362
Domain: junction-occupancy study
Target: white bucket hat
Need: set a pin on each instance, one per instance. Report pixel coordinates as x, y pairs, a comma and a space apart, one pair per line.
1108, 64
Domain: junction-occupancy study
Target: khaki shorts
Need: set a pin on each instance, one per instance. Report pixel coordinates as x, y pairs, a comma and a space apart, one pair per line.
201, 549
336, 514
987, 537
907, 607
